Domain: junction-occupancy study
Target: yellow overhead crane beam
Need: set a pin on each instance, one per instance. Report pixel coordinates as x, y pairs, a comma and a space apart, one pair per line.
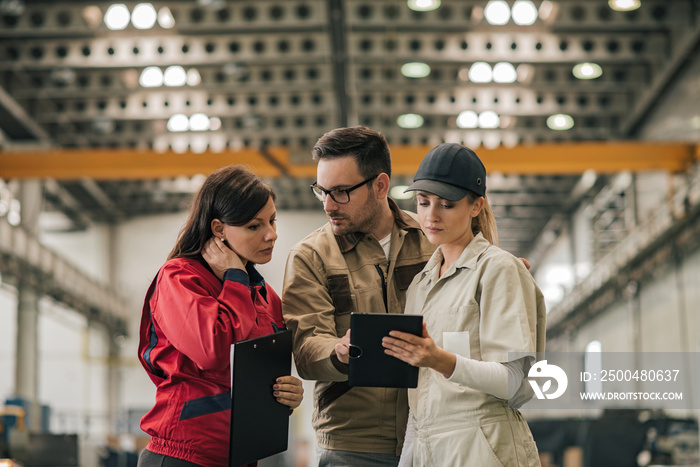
541, 159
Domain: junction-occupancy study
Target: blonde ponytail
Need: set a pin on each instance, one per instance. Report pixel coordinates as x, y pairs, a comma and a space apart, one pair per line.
485, 222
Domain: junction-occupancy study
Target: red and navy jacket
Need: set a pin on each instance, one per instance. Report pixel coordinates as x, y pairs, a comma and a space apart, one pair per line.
190, 319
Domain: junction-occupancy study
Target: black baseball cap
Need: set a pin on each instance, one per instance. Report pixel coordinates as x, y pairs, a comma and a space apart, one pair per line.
449, 171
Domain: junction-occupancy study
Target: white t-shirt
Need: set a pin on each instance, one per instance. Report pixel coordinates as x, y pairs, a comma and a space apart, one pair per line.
386, 245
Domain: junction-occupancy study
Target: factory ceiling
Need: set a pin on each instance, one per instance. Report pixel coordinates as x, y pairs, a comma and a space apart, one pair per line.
209, 78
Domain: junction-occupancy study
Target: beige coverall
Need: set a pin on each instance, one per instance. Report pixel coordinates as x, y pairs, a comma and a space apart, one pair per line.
484, 306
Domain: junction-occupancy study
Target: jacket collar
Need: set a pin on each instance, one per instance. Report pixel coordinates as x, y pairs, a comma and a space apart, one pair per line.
467, 260
256, 279
472, 252
401, 219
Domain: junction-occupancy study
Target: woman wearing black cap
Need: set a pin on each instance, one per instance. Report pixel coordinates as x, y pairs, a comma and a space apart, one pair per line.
480, 306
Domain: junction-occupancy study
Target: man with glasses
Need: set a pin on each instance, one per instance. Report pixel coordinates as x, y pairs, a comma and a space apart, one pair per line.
362, 261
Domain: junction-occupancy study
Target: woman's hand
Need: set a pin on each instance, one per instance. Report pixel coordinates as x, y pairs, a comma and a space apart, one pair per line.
420, 351
220, 257
288, 391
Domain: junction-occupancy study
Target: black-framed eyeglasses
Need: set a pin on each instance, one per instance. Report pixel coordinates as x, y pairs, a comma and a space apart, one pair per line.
339, 195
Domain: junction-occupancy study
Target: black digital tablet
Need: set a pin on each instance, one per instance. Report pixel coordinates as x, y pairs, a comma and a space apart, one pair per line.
369, 365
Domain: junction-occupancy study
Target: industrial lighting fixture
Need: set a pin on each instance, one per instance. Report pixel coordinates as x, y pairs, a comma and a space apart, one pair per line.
397, 192
553, 294
165, 18
489, 119
497, 12
151, 77
423, 5
480, 72
548, 11
117, 17
560, 122
178, 122
467, 119
180, 146
410, 121
193, 77
199, 144
587, 70
214, 123
199, 122
504, 72
175, 76
624, 5
93, 17
13, 215
524, 13
415, 70
144, 16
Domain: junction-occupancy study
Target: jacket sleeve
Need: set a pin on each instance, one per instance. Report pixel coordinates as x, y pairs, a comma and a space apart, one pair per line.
201, 325
508, 310
309, 312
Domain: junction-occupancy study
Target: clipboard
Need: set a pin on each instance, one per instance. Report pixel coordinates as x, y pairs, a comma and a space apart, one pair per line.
259, 424
369, 365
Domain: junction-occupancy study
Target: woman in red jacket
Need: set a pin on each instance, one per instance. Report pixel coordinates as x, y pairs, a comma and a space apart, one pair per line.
207, 296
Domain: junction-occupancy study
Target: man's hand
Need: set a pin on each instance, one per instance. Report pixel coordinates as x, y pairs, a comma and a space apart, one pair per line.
342, 348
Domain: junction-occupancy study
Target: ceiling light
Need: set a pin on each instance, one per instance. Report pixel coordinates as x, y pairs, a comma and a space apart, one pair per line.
151, 77
199, 122
548, 11
193, 77
524, 13
12, 7
492, 140
175, 76
199, 144
178, 122
587, 70
397, 192
216, 144
467, 119
180, 146
410, 121
117, 17
214, 123
510, 140
525, 73
14, 218
560, 122
423, 5
553, 294
480, 72
504, 72
165, 18
489, 119
497, 12
624, 5
415, 70
144, 16
92, 16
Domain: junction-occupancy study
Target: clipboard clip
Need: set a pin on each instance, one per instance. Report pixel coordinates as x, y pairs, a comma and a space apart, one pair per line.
354, 351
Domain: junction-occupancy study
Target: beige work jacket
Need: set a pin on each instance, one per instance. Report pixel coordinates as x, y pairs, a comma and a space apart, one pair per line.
326, 279
484, 306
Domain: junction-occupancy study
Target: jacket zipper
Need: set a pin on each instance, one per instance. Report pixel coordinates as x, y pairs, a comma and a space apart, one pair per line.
384, 291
